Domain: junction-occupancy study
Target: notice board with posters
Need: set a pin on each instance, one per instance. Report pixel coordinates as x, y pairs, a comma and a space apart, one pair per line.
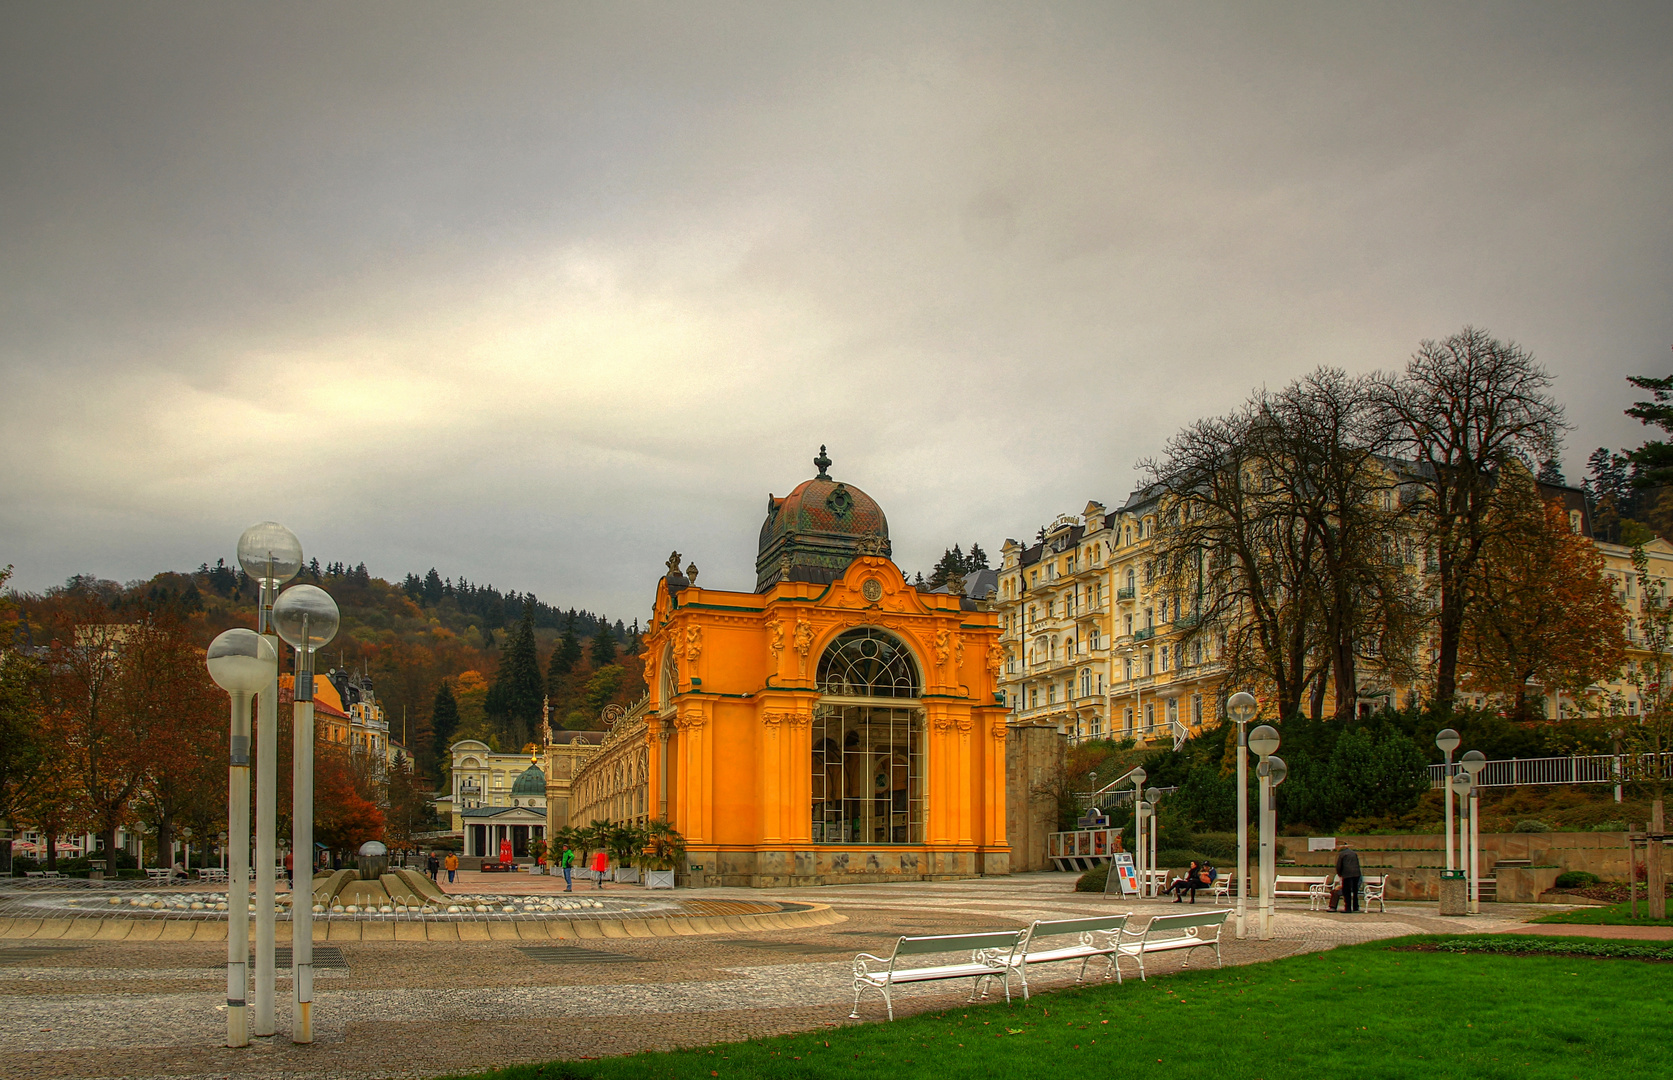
1122, 872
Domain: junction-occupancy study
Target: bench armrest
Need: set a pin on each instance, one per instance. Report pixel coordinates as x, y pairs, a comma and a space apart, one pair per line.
863, 969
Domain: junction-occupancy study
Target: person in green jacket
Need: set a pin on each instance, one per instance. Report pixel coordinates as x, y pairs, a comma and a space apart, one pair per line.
568, 864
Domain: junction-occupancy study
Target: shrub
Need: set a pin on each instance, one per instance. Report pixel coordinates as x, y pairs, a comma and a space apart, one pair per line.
1610, 826
1221, 848
1531, 826
1093, 880
1576, 879
1178, 858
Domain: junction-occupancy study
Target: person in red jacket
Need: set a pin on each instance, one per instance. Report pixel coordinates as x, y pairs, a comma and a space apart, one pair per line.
601, 864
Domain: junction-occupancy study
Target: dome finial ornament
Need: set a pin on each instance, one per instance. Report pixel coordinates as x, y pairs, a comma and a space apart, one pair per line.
823, 464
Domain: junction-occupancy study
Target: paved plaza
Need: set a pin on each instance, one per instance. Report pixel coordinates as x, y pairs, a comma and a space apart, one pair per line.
90, 1008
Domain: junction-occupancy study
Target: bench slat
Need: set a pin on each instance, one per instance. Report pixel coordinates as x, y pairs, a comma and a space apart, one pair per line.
920, 946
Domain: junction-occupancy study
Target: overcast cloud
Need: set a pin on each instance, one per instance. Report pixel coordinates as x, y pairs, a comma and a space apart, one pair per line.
534, 294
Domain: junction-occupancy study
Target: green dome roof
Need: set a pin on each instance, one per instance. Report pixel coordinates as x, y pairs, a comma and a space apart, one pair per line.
531, 782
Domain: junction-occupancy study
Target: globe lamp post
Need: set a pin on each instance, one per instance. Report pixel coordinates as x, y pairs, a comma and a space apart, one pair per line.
1474, 761
306, 617
1151, 797
1264, 742
1137, 776
271, 554
1446, 740
241, 662
1462, 787
1242, 707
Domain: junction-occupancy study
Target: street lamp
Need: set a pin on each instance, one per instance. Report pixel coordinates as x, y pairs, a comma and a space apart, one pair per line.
1151, 795
1242, 708
1462, 787
1446, 740
1137, 776
271, 554
1474, 761
241, 662
1264, 742
306, 617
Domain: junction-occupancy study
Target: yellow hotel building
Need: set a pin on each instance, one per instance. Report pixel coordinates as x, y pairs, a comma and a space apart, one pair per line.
837, 724
1090, 639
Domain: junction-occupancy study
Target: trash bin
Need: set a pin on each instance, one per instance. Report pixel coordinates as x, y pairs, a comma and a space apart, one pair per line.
1455, 893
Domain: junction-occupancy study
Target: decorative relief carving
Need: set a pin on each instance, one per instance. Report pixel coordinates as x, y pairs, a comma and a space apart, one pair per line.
693, 643
690, 720
964, 724
804, 643
872, 590
774, 718
998, 730
958, 650
996, 659
775, 638
943, 646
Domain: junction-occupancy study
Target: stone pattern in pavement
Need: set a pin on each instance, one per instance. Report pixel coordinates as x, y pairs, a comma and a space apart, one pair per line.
422, 1008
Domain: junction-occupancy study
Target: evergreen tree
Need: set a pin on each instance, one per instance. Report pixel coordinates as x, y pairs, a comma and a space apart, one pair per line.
603, 645
564, 658
1551, 472
1652, 463
976, 560
515, 697
444, 718
951, 562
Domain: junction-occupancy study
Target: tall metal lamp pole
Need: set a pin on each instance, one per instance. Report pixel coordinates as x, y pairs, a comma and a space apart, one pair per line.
1242, 708
306, 617
241, 662
1264, 742
1446, 740
272, 555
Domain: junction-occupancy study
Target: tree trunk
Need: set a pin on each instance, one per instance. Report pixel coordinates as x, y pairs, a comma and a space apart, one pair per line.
109, 837
1316, 705
1655, 875
1446, 655
165, 842
1347, 683
50, 828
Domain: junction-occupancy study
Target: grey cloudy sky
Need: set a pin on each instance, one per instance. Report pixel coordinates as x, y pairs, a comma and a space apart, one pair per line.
535, 293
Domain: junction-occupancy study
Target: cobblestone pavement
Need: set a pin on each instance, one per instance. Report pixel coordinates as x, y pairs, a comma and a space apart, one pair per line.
98, 1009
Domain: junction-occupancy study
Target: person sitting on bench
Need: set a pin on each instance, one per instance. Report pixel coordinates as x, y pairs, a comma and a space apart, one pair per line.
1195, 878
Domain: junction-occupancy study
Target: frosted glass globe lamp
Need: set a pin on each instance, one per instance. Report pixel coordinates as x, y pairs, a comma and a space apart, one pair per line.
306, 617
1264, 740
270, 553
242, 661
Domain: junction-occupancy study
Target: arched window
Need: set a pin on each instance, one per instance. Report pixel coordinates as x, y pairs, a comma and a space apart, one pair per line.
668, 679
868, 663
868, 765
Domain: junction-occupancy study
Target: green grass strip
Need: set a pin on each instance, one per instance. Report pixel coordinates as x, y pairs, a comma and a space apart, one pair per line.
1611, 915
1523, 945
1367, 1011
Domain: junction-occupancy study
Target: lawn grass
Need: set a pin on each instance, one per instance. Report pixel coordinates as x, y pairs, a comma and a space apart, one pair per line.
1367, 1011
1612, 915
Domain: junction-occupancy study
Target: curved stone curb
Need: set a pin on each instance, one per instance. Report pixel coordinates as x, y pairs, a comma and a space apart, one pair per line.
116, 928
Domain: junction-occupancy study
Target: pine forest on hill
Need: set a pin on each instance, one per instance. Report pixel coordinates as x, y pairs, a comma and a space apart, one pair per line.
486, 659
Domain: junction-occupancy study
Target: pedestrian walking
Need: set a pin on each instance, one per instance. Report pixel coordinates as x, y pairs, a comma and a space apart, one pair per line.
290, 871
434, 866
601, 866
567, 861
452, 866
1348, 873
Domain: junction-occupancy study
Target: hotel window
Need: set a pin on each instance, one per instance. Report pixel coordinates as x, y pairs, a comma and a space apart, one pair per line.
1173, 710
1149, 662
1127, 669
1093, 642
1085, 683
1196, 710
1196, 652
1128, 719
1164, 657
1033, 697
1150, 716
1051, 692
1129, 626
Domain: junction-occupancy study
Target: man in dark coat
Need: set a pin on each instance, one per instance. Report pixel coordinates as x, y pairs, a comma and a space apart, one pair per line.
1347, 872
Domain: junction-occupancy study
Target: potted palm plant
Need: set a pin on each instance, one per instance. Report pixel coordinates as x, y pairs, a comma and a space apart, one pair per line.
664, 849
624, 843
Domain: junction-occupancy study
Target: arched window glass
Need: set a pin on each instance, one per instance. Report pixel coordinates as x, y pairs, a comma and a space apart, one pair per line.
868, 663
668, 682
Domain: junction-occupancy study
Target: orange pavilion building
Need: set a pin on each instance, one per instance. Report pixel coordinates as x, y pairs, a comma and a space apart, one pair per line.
837, 724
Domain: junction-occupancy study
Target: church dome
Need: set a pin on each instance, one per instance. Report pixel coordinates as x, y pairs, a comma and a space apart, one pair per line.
531, 782
813, 533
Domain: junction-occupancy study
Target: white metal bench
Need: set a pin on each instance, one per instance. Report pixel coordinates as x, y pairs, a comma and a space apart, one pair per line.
1298, 887
213, 874
1318, 897
991, 957
159, 873
1086, 947
1222, 888
1188, 931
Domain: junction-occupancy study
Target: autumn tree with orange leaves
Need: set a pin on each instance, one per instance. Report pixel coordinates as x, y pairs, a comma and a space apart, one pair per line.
1544, 611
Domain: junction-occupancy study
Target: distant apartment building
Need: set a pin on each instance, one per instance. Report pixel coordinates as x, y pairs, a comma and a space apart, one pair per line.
1091, 640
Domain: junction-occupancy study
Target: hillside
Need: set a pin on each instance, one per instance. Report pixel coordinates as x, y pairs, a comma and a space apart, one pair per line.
408, 638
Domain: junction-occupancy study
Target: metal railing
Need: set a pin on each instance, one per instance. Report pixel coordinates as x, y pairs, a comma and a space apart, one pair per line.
1574, 769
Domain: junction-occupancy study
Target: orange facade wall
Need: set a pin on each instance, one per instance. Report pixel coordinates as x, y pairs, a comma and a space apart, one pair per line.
731, 717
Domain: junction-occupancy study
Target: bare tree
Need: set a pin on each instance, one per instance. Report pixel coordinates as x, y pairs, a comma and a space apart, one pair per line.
1279, 532
1464, 409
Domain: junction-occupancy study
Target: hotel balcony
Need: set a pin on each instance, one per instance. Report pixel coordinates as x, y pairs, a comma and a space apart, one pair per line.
1144, 633
1126, 592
